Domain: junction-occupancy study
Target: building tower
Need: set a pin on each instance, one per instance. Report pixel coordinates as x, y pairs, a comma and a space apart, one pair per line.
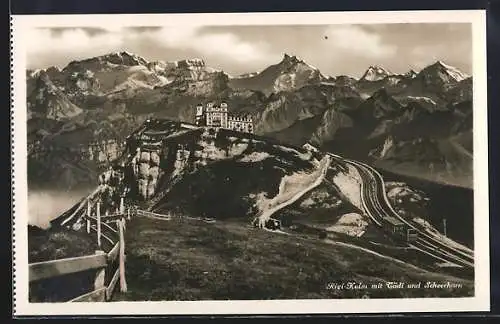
223, 112
199, 117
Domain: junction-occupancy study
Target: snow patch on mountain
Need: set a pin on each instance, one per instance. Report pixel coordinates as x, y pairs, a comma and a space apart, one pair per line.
454, 72
376, 73
255, 157
441, 74
35, 73
421, 99
348, 180
246, 75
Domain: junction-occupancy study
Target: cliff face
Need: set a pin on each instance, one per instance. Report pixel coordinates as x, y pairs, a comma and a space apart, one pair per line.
331, 121
103, 152
162, 161
67, 167
203, 171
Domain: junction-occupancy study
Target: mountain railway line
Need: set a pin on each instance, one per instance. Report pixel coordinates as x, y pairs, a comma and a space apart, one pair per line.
377, 206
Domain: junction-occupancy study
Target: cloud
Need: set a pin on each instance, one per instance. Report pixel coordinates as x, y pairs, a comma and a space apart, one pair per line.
359, 41
71, 42
347, 49
221, 44
79, 43
57, 31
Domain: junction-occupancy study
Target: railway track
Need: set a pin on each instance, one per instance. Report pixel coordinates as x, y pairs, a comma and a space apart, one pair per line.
468, 255
378, 207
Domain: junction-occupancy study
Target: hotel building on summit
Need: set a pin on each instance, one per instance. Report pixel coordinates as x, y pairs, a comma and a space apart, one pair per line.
217, 116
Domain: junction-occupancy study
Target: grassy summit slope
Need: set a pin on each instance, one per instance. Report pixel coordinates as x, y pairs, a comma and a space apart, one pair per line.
193, 260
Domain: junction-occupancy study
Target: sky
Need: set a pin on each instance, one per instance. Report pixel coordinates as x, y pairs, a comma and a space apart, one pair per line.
334, 49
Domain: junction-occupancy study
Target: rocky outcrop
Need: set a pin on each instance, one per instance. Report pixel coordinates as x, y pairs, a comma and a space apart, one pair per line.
164, 161
103, 152
46, 99
105, 62
83, 83
375, 73
146, 167
158, 159
331, 121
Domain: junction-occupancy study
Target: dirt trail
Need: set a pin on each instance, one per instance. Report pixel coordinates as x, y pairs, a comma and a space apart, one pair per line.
266, 215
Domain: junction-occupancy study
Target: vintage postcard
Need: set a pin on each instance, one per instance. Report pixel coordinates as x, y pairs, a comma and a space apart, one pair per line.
277, 163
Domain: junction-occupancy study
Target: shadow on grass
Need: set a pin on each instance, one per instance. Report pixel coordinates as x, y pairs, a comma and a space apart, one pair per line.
229, 261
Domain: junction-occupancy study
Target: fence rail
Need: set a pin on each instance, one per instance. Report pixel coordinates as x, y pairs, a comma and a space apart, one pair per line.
99, 261
61, 267
140, 212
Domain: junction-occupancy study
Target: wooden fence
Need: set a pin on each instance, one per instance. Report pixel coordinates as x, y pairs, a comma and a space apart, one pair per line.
149, 214
114, 228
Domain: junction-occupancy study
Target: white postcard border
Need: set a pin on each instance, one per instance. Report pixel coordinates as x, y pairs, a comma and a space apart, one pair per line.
481, 300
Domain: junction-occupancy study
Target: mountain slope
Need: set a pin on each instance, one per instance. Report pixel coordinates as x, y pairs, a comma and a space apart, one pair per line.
444, 160
375, 73
48, 100
431, 82
289, 74
291, 101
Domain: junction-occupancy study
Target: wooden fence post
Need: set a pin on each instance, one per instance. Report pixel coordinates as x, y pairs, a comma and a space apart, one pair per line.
99, 279
123, 282
122, 205
118, 228
99, 224
88, 215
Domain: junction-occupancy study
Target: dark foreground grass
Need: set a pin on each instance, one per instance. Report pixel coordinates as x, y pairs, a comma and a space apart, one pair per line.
192, 260
59, 243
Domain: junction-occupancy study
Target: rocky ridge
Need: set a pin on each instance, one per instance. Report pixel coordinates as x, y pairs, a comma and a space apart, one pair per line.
291, 100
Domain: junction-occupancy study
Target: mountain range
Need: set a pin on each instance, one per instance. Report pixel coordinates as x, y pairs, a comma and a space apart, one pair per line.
416, 123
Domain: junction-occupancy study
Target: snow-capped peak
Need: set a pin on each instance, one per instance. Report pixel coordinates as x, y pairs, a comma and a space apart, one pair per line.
191, 62
375, 73
452, 71
35, 73
130, 58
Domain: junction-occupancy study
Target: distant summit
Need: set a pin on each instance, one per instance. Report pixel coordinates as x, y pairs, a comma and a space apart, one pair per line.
103, 61
375, 73
289, 74
444, 72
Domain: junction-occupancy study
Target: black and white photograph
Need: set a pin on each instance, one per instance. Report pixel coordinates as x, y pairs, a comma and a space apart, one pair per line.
234, 160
